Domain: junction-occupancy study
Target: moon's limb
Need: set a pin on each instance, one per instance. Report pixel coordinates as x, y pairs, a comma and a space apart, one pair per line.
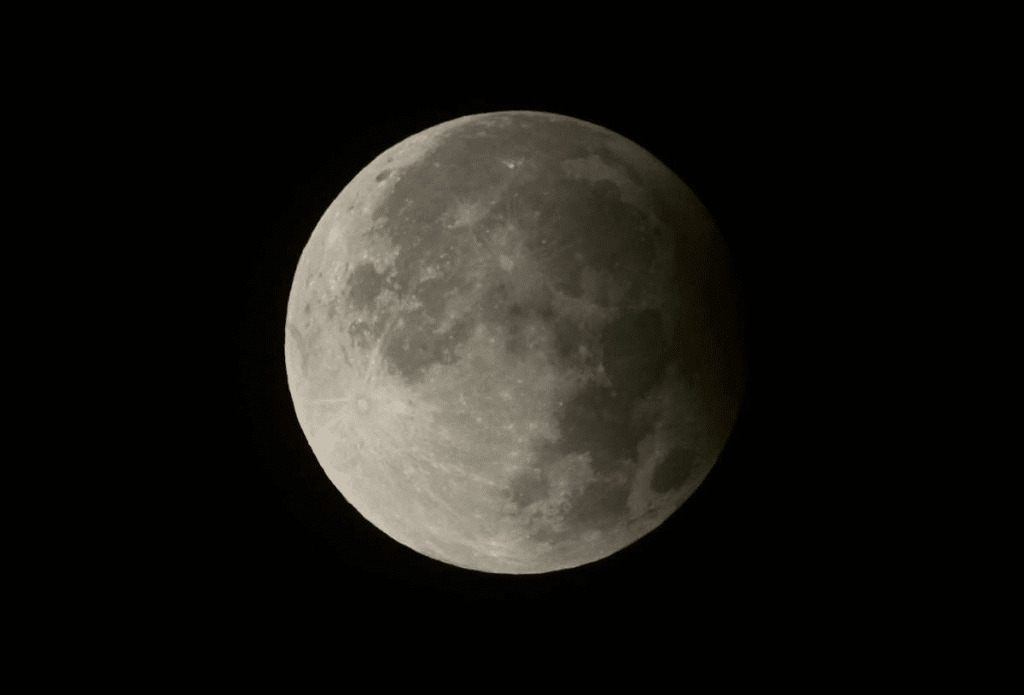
494, 342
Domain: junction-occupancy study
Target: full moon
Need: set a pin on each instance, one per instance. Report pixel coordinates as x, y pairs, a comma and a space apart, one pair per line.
513, 342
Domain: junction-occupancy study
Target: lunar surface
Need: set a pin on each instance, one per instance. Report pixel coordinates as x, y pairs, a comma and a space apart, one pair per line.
512, 342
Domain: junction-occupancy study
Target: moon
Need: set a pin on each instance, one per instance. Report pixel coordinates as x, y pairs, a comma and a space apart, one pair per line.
513, 344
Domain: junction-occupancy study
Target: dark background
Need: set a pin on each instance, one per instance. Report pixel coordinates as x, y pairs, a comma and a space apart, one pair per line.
216, 165
756, 538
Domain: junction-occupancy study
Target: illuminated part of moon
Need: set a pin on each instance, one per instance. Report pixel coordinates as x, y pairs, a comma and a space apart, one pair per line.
512, 342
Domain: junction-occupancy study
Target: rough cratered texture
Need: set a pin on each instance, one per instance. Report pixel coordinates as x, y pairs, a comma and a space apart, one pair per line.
512, 342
